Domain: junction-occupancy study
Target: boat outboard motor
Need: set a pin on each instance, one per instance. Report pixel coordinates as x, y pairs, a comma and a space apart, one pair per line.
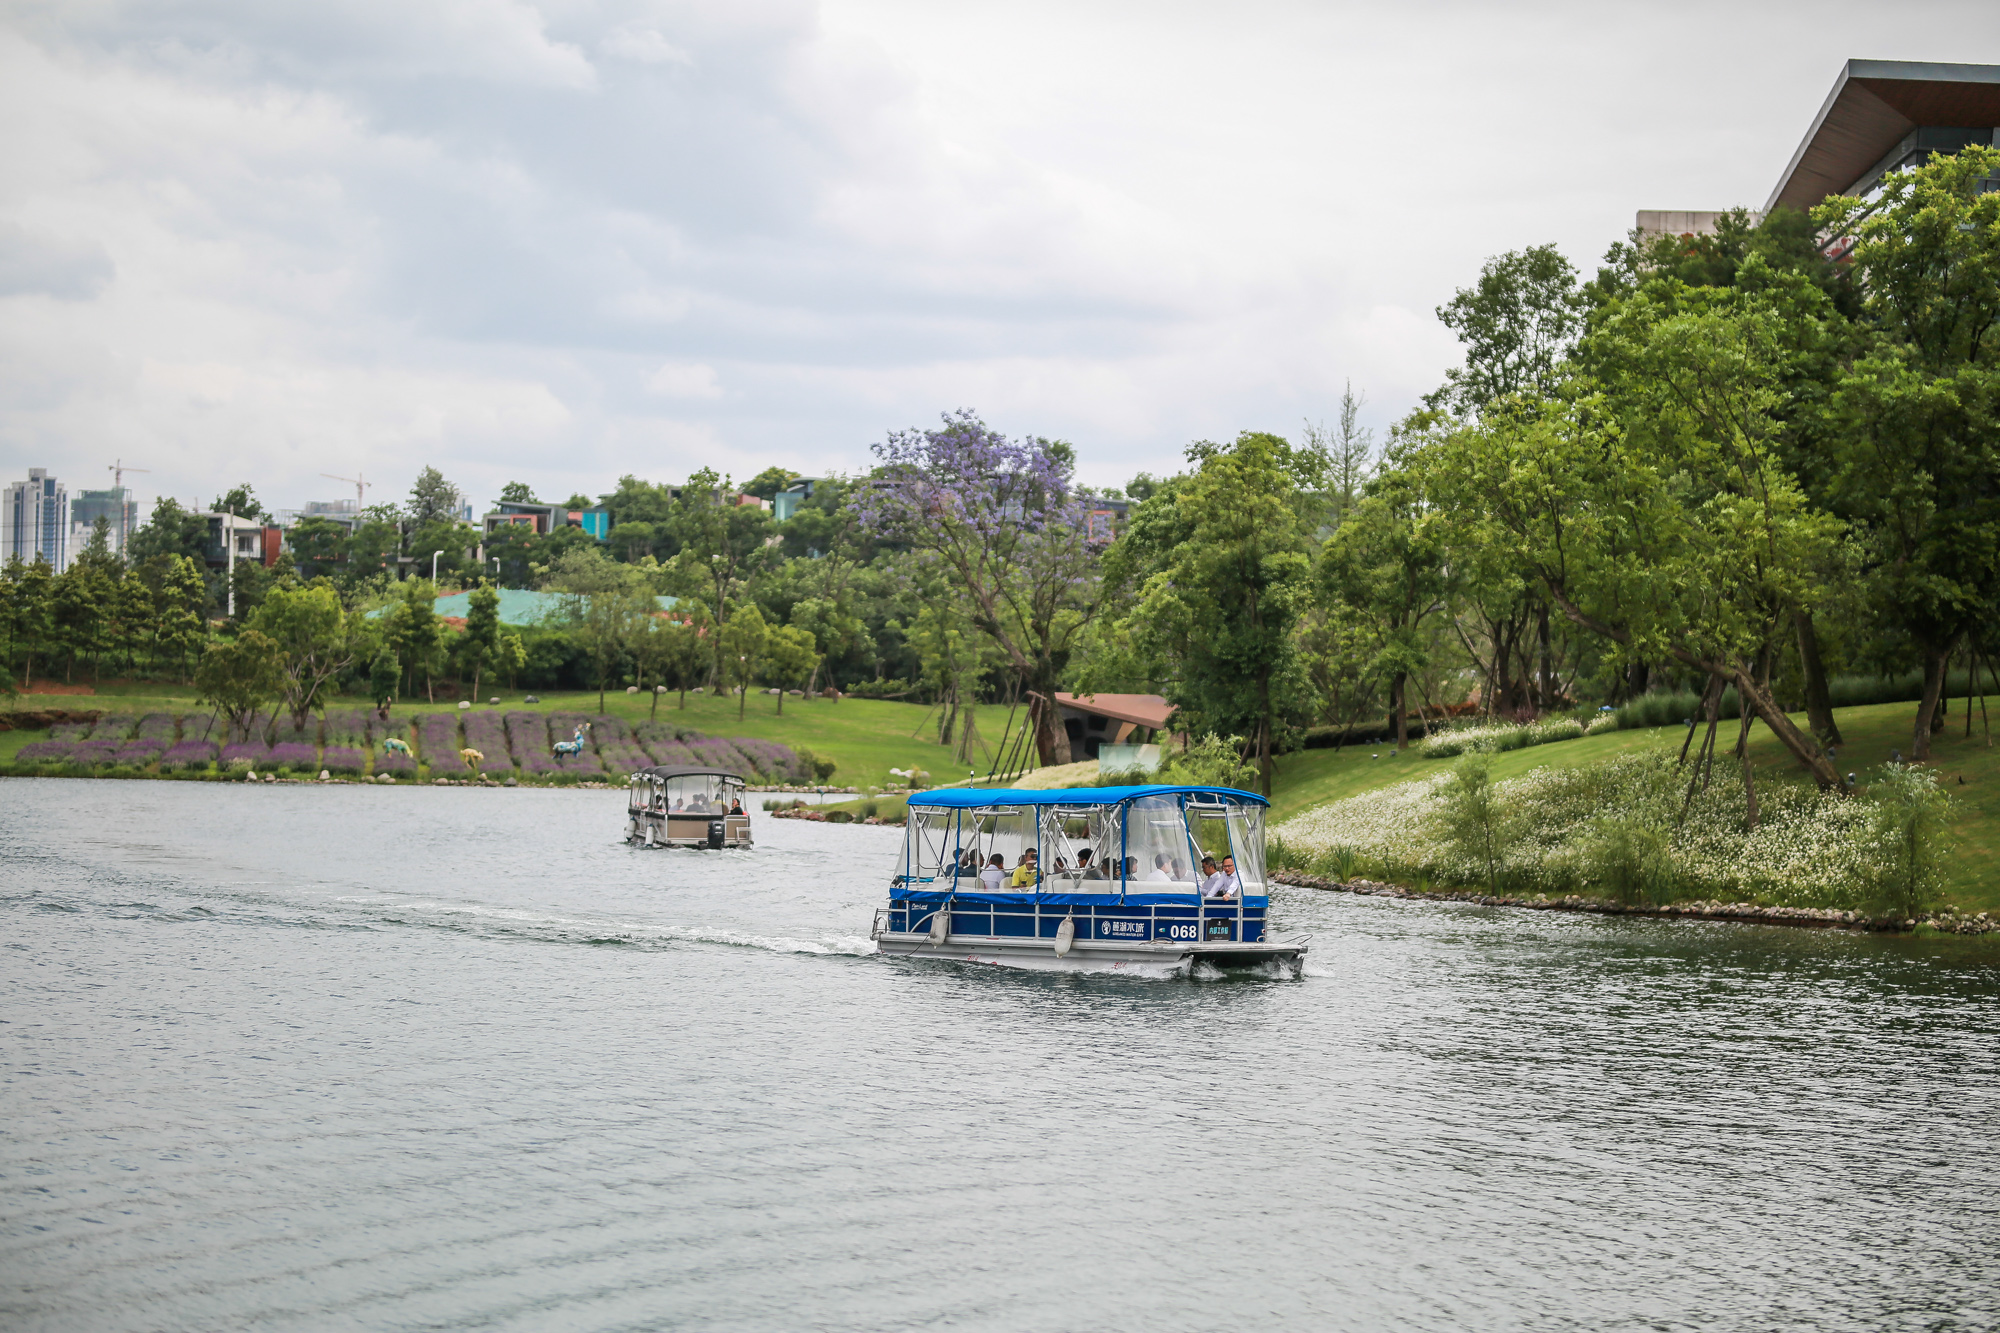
715, 833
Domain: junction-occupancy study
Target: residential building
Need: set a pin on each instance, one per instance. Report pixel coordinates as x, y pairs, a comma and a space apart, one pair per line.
1093, 721
786, 502
234, 539
1102, 518
542, 519
34, 520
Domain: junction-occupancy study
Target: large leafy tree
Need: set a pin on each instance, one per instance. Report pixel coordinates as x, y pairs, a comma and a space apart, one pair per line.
1518, 323
744, 643
315, 643
603, 602
1223, 568
1920, 456
27, 611
238, 677
725, 538
1004, 517
169, 531
1384, 573
433, 499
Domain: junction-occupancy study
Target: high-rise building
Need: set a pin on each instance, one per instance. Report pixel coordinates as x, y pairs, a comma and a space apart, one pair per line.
34, 519
115, 506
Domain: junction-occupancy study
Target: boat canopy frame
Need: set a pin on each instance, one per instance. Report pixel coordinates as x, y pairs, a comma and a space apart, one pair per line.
951, 832
650, 787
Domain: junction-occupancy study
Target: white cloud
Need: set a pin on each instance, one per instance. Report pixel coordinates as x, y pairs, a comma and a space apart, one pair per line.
680, 381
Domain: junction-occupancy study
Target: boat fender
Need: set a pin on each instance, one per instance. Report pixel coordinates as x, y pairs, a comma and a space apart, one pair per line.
940, 924
1065, 936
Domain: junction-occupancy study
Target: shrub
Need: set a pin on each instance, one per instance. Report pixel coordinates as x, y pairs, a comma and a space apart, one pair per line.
839, 817
1212, 761
1497, 739
1910, 840
1627, 861
1470, 818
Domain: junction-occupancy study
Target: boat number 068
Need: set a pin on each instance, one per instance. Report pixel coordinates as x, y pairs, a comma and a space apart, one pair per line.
1187, 932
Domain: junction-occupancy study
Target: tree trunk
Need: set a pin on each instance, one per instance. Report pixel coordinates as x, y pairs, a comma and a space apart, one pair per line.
1547, 690
1743, 754
1801, 745
1051, 738
1819, 703
1264, 731
1920, 741
1399, 722
781, 701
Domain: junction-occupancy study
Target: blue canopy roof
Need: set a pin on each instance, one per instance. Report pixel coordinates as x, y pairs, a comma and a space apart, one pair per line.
967, 798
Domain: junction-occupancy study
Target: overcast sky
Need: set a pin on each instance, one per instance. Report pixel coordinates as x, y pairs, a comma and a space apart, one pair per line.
245, 240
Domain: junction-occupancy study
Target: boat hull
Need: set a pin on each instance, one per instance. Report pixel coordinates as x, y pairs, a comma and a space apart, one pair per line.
1278, 957
654, 830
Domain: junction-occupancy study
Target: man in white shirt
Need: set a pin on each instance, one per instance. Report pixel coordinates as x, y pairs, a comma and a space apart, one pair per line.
994, 877
1226, 884
1210, 877
1160, 864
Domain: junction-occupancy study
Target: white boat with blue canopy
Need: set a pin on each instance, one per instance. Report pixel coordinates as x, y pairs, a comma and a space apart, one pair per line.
1094, 878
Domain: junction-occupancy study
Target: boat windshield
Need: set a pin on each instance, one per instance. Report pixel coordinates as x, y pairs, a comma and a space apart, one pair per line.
1150, 843
697, 794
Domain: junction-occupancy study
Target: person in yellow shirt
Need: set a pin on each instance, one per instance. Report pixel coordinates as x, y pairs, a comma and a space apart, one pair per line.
1028, 873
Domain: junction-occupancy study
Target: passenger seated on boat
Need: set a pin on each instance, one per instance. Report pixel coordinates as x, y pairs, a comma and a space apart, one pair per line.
1226, 884
1083, 864
1161, 863
679, 803
1209, 874
1131, 868
1027, 873
994, 877
736, 807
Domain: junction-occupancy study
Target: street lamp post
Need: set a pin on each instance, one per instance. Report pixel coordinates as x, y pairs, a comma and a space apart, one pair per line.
434, 565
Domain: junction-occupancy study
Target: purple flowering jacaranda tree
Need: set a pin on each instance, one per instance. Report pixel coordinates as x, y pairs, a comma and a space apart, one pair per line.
1004, 517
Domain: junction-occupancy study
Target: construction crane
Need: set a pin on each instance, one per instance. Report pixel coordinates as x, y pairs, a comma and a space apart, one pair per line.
118, 471
356, 482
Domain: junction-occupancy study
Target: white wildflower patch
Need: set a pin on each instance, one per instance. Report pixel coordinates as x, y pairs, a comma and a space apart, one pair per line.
1809, 849
1499, 737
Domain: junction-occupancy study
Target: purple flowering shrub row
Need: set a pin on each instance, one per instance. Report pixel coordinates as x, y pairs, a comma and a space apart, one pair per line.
344, 759
486, 733
114, 727
349, 726
295, 755
253, 752
669, 753
69, 731
437, 734
44, 752
139, 753
604, 727
158, 727
190, 754
624, 758
719, 753
527, 733
539, 763
388, 761
203, 727
778, 763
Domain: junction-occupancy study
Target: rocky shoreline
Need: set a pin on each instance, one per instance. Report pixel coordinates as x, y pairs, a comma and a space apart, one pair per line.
1954, 923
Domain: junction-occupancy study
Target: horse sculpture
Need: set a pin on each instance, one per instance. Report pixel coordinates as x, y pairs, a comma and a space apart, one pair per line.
574, 746
473, 758
393, 745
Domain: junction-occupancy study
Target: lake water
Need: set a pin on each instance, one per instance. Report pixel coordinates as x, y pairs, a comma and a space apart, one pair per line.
300, 1058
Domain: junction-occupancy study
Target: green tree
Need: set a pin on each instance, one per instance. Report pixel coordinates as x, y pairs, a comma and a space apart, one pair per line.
170, 531
1912, 830
726, 537
251, 582
433, 500
1519, 324
1470, 816
318, 545
179, 599
80, 593
385, 675
790, 655
480, 644
602, 604
314, 641
744, 641
518, 492
1226, 572
769, 482
417, 632
27, 610
1385, 571
239, 676
242, 502
1920, 463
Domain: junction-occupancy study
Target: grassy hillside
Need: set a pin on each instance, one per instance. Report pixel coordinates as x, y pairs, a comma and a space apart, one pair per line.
1969, 767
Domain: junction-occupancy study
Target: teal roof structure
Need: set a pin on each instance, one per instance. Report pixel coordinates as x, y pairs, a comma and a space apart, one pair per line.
518, 606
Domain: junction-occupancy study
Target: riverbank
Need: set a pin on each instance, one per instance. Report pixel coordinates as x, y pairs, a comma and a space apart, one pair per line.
1946, 922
